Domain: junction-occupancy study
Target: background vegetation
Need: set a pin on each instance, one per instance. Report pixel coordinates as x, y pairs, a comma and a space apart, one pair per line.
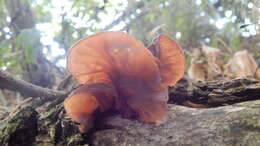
36, 34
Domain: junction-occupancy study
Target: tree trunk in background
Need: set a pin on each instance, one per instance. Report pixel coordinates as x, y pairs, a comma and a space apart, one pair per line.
22, 18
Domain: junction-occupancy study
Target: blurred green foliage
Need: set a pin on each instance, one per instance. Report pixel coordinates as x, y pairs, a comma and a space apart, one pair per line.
191, 22
28, 39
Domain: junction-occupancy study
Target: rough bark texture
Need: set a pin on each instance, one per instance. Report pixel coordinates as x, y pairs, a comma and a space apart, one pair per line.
20, 128
237, 124
217, 94
230, 125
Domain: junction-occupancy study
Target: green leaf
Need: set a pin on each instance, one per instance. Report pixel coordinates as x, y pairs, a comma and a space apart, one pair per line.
28, 39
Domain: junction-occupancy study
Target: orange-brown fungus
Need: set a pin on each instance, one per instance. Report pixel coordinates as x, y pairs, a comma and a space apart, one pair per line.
117, 71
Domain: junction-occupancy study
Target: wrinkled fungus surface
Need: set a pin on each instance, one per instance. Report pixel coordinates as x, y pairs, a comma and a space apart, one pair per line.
118, 71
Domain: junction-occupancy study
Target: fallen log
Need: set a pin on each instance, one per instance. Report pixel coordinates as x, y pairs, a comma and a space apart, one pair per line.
228, 125
218, 93
236, 124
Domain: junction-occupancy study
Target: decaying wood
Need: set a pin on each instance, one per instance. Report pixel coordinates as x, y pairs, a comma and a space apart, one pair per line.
236, 124
19, 128
228, 125
217, 94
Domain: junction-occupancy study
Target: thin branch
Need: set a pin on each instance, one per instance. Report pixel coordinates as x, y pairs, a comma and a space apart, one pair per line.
143, 13
7, 81
126, 13
229, 50
117, 21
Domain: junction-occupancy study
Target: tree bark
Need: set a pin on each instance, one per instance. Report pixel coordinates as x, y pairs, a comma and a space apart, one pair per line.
216, 94
236, 124
229, 125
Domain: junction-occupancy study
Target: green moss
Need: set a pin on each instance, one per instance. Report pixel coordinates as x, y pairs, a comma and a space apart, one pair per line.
20, 128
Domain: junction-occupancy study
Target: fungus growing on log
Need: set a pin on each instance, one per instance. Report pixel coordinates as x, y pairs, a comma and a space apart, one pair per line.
117, 71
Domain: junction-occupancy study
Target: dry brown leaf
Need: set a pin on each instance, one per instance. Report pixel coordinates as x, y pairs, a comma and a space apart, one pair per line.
205, 64
242, 65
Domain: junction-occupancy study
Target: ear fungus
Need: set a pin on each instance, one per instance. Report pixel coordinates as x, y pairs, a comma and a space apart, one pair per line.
111, 63
87, 62
85, 100
80, 107
152, 109
96, 58
171, 59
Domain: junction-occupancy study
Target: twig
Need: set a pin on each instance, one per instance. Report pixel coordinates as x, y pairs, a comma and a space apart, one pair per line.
229, 50
4, 108
127, 12
64, 82
22, 104
7, 81
134, 20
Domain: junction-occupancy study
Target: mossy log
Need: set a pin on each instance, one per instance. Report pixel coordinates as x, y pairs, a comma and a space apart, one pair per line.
236, 124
